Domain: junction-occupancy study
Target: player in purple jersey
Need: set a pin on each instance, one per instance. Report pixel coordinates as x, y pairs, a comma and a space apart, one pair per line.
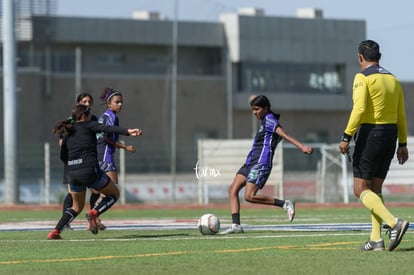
108, 142
79, 153
258, 166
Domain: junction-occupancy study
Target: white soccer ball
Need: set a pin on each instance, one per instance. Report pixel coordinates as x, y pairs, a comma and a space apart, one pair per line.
208, 224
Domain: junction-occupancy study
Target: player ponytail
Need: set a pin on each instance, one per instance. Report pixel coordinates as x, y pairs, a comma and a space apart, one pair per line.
63, 127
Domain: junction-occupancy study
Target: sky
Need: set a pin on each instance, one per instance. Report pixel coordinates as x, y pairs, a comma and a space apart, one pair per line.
390, 23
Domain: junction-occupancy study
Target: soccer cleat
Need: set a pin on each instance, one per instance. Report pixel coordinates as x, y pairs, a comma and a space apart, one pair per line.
234, 228
92, 217
396, 233
54, 235
372, 245
101, 226
289, 207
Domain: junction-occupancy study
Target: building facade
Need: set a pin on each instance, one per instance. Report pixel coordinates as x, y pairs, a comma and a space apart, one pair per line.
304, 65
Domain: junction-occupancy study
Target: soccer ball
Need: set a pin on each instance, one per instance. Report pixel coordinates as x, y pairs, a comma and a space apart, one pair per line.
208, 224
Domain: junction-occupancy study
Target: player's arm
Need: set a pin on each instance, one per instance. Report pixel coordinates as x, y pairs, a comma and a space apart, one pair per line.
402, 151
402, 121
118, 144
304, 148
359, 97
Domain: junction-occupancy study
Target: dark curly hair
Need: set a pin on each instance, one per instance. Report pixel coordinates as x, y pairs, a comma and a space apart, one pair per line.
63, 127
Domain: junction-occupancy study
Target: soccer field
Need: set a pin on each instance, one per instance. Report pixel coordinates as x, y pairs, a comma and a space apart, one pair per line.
143, 240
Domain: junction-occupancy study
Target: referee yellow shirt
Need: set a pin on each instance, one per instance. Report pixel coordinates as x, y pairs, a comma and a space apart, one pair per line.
378, 99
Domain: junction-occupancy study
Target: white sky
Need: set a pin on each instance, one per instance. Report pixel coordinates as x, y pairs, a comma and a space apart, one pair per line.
390, 23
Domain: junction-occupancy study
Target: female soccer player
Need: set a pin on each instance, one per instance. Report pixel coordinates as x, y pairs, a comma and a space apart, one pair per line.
79, 152
87, 100
256, 170
108, 142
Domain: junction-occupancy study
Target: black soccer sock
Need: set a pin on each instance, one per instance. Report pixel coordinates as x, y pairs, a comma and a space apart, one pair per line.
279, 203
66, 218
93, 199
67, 202
236, 218
105, 204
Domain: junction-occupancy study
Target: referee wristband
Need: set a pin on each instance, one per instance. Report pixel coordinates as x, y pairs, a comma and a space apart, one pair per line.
346, 138
401, 145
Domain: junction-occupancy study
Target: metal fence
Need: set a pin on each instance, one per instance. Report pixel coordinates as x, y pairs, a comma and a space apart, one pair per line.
145, 176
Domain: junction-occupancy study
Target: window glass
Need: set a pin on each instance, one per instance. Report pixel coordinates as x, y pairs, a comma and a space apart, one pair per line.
291, 78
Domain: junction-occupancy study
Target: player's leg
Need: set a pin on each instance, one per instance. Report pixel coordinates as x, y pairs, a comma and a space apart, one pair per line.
372, 201
111, 193
374, 150
67, 201
70, 213
78, 200
238, 183
108, 188
96, 197
94, 200
375, 219
67, 204
113, 175
251, 195
256, 180
375, 241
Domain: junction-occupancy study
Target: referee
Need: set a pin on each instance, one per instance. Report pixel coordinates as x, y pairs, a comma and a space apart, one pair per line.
376, 122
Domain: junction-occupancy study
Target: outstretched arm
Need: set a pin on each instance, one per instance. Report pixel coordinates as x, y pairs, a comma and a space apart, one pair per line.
304, 148
134, 132
130, 148
119, 144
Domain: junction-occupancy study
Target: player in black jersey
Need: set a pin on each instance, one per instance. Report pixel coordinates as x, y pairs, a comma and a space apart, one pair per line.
79, 152
87, 100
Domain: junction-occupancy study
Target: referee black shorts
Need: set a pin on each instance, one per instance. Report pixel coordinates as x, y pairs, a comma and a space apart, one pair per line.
375, 146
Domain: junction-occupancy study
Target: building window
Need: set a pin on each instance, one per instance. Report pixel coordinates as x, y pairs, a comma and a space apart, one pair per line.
291, 78
110, 58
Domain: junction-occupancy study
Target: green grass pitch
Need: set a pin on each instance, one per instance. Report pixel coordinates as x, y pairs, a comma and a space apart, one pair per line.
186, 251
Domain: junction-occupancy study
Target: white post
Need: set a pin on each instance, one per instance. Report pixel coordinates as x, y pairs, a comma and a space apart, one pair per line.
11, 192
47, 173
229, 88
174, 73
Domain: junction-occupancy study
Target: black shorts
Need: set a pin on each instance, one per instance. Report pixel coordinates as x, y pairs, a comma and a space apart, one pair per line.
256, 174
87, 177
375, 147
65, 179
